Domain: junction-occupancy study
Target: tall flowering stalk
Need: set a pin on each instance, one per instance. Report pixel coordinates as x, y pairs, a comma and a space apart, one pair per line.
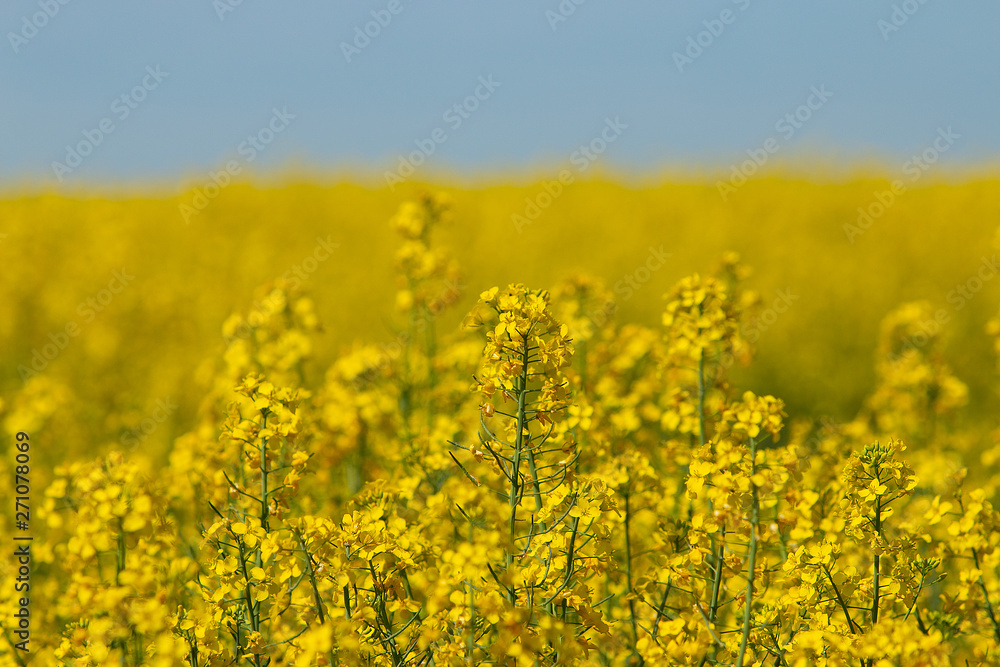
551, 510
250, 533
525, 353
429, 281
916, 392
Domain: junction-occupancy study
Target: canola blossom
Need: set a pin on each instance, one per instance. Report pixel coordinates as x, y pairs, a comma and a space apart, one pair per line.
546, 483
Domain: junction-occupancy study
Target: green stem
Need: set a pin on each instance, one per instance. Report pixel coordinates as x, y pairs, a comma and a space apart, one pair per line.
663, 605
875, 559
248, 589
628, 568
120, 552
840, 599
312, 579
431, 372
916, 596
535, 483
572, 552
470, 639
521, 387
701, 398
263, 480
986, 598
751, 566
713, 611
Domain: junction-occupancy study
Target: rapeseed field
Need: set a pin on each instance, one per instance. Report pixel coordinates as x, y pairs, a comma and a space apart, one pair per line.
543, 423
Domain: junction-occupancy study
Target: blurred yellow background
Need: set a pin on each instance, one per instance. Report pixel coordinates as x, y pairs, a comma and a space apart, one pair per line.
146, 343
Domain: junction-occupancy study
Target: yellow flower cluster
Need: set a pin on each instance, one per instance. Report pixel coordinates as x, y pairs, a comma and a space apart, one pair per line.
526, 347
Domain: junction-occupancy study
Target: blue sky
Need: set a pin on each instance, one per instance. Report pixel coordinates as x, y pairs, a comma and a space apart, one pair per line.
688, 84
